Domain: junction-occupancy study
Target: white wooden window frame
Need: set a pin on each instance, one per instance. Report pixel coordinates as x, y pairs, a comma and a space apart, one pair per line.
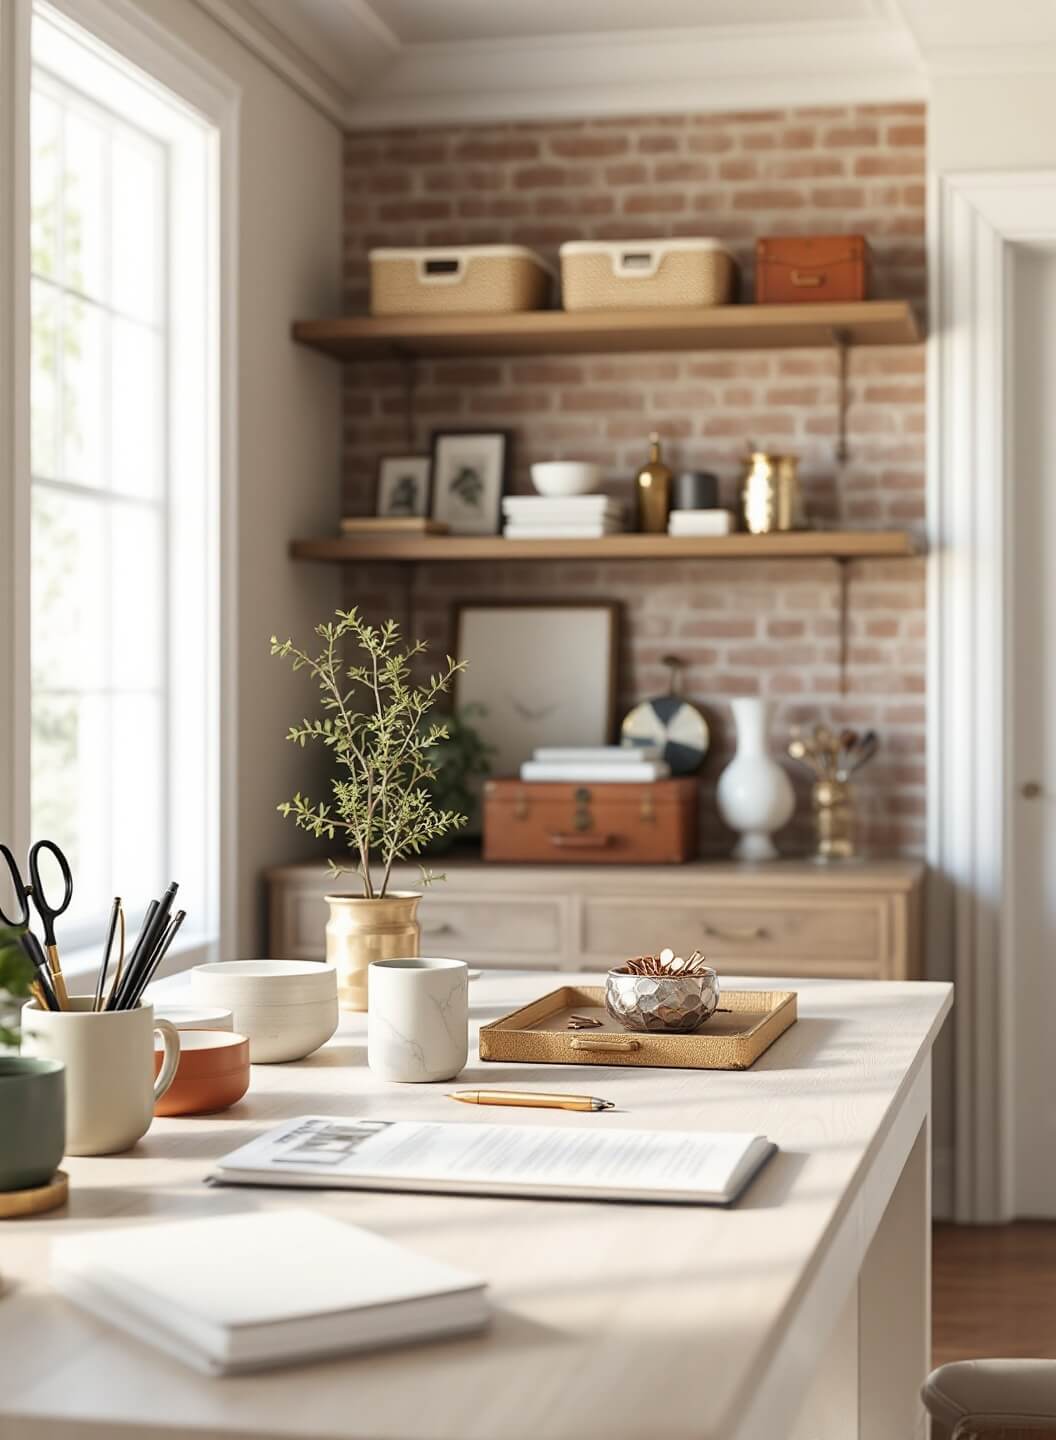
122, 27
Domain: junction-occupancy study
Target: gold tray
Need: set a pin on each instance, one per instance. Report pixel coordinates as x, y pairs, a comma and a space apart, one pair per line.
537, 1033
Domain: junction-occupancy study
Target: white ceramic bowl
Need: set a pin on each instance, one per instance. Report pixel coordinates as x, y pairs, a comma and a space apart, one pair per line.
193, 1017
277, 1033
262, 982
286, 1008
566, 477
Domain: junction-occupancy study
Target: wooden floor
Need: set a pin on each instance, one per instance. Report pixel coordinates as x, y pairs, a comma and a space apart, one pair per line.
994, 1291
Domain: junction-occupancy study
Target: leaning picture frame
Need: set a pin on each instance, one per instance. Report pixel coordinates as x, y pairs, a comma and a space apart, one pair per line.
470, 469
542, 674
403, 486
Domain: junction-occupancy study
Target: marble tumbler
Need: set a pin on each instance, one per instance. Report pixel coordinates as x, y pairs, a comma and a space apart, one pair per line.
417, 1019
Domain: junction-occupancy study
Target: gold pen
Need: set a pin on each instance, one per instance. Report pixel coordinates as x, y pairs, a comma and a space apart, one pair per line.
533, 1099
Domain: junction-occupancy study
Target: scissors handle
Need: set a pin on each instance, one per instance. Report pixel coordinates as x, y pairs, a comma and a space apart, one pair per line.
47, 912
17, 922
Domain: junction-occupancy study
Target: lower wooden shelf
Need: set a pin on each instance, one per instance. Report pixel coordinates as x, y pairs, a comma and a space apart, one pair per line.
802, 545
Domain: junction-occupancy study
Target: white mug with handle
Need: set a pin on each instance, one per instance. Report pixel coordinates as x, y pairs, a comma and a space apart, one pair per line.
109, 1057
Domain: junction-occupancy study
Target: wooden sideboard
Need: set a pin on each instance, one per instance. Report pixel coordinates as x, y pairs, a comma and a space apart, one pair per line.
791, 917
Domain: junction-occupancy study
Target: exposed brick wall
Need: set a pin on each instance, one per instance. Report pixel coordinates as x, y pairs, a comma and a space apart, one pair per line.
742, 628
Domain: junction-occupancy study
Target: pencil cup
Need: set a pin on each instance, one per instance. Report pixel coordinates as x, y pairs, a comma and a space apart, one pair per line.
109, 1057
417, 1019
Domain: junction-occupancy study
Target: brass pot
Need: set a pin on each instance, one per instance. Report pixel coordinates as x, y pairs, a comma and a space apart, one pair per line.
834, 818
770, 494
361, 930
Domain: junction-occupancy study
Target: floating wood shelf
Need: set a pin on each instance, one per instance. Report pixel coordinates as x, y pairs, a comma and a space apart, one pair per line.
558, 332
800, 545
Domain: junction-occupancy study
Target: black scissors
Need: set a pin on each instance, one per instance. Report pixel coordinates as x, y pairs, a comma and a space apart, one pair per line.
48, 913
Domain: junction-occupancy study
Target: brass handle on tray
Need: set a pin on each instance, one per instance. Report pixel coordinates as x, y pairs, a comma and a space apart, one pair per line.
758, 932
564, 841
604, 1042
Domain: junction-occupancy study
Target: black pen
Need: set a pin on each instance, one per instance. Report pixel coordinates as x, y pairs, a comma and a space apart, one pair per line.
105, 966
150, 969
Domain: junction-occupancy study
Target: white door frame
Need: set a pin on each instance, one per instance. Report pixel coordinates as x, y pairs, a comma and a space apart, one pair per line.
976, 220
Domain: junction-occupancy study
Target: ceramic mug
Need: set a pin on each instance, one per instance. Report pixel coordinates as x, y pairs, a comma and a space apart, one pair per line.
32, 1121
417, 1019
109, 1057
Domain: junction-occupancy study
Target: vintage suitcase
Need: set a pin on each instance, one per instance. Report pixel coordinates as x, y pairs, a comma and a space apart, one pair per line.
794, 268
652, 823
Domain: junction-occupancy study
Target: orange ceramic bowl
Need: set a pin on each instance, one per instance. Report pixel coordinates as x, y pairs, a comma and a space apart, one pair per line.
213, 1073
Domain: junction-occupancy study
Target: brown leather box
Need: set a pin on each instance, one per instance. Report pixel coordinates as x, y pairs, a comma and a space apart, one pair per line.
648, 824
794, 268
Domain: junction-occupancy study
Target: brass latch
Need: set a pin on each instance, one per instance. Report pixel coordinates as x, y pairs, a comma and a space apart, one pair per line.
648, 809
520, 806
582, 819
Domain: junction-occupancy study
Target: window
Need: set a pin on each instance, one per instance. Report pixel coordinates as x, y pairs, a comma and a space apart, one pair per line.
123, 469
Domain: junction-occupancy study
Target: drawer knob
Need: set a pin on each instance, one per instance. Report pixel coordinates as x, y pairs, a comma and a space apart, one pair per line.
757, 932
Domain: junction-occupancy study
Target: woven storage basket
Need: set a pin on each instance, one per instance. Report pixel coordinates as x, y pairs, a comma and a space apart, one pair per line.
458, 280
645, 274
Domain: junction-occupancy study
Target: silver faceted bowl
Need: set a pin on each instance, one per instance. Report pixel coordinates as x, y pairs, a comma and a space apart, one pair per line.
675, 1003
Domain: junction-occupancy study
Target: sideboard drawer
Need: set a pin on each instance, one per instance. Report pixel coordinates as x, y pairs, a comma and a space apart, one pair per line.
777, 932
496, 930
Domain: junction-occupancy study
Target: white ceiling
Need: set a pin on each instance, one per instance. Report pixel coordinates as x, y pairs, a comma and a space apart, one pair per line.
412, 62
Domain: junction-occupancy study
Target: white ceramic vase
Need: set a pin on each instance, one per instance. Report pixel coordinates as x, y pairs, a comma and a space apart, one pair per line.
417, 1019
754, 795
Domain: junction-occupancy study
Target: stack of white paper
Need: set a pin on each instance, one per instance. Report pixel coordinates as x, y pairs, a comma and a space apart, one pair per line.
700, 522
245, 1292
541, 517
594, 764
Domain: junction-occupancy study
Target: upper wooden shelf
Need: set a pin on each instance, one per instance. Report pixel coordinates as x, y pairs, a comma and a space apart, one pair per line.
801, 544
535, 332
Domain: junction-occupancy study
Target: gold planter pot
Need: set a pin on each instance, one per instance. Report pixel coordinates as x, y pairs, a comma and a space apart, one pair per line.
361, 930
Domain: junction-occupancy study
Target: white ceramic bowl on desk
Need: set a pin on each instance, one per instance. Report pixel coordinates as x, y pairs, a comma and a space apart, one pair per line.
286, 1008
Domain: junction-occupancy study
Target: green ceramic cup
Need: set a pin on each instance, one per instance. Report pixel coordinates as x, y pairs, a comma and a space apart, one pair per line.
32, 1120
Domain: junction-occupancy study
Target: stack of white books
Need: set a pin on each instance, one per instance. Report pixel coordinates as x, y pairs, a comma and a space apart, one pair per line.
250, 1291
700, 522
573, 517
597, 764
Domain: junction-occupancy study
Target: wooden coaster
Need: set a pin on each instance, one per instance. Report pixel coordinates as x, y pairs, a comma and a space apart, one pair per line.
15, 1203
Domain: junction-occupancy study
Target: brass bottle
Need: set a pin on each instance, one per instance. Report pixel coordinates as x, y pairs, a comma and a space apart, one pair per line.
652, 486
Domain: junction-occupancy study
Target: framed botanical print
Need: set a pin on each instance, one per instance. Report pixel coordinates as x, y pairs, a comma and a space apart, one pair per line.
543, 674
469, 478
403, 486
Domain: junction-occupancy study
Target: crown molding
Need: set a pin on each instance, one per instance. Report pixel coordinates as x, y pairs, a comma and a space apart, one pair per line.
281, 54
643, 72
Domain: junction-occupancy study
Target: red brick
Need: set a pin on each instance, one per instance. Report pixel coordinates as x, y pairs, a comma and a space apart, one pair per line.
762, 198
581, 147
658, 144
648, 202
906, 134
499, 149
889, 165
838, 197
850, 137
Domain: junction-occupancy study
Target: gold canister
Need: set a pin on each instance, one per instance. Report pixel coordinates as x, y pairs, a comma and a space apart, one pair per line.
834, 818
652, 486
361, 930
770, 495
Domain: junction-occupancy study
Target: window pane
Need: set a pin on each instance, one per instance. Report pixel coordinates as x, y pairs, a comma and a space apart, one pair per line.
44, 350
135, 201
135, 409
83, 339
138, 802
44, 182
69, 588
84, 204
137, 571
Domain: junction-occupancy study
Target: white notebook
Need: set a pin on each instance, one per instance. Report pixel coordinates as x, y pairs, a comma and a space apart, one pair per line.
597, 754
589, 1161
241, 1292
596, 772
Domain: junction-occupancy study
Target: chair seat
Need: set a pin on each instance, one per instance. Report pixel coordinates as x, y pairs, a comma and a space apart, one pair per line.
972, 1397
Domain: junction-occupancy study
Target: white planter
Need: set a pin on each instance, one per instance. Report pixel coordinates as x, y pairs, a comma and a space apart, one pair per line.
754, 794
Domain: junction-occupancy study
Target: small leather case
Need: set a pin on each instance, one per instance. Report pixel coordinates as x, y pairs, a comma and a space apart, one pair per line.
607, 824
793, 269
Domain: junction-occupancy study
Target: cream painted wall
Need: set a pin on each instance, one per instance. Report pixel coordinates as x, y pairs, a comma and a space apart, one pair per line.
992, 121
289, 431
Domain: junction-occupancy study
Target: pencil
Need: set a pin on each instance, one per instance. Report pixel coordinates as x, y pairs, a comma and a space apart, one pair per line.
115, 911
151, 967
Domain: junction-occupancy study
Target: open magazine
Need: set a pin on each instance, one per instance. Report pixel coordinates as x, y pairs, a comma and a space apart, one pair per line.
548, 1161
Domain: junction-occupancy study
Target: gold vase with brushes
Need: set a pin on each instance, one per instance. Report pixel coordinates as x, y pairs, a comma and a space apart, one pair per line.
832, 757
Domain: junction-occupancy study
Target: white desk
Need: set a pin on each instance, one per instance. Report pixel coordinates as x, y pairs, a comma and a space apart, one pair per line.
803, 1312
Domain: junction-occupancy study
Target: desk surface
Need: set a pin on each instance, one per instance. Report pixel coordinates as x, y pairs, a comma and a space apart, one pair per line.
606, 1316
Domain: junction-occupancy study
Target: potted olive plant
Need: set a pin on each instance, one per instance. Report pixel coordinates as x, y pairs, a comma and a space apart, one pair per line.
375, 723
